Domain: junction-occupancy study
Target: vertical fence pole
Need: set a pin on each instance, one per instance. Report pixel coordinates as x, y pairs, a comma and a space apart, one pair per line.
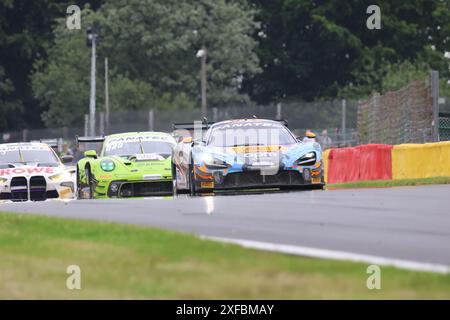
102, 123
151, 120
106, 97
279, 115
344, 121
86, 125
435, 97
24, 135
215, 114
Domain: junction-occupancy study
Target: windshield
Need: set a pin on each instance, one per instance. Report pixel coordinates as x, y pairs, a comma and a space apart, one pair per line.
126, 148
254, 136
27, 155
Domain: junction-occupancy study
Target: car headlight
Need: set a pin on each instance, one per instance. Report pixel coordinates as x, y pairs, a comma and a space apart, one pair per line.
61, 176
107, 165
3, 180
212, 161
308, 159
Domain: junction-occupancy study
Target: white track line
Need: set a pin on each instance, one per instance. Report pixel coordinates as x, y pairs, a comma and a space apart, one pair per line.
334, 255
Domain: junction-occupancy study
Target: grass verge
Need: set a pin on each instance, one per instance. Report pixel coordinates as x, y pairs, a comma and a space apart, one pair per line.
120, 261
390, 183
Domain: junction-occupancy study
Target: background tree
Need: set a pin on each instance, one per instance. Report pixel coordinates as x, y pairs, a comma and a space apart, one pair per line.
152, 52
25, 34
312, 50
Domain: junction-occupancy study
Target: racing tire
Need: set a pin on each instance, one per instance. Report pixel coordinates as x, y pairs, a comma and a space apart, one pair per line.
89, 179
192, 190
174, 180
79, 193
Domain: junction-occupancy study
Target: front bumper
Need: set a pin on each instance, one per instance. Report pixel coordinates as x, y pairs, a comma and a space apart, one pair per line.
134, 188
36, 188
207, 180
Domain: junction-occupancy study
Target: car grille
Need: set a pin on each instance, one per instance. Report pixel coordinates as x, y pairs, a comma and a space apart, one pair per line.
255, 178
38, 189
34, 189
144, 189
19, 189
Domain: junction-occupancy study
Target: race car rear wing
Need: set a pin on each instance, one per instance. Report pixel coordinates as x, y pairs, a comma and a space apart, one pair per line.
191, 125
90, 139
52, 143
284, 122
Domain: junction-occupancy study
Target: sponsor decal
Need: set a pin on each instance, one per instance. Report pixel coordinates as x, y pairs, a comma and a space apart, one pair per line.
207, 185
149, 157
5, 149
252, 149
26, 171
118, 143
152, 177
316, 180
105, 177
249, 124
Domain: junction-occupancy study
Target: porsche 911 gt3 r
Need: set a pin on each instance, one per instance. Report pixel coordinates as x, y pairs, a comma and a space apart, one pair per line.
247, 154
135, 164
33, 171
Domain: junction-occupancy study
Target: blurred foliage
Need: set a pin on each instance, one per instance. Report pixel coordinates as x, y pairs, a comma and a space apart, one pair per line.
259, 51
25, 35
313, 50
152, 56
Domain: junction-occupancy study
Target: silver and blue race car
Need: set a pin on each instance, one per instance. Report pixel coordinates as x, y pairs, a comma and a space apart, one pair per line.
245, 154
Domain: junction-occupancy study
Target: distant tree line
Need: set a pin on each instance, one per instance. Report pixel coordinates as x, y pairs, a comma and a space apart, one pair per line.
259, 52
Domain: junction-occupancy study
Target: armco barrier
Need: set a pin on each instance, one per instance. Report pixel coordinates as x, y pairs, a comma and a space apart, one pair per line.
366, 162
412, 161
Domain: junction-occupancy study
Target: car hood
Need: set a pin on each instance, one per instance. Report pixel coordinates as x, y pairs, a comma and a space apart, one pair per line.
134, 166
236, 154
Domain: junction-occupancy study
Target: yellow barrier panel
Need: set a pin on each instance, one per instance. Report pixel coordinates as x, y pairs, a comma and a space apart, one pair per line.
325, 155
415, 161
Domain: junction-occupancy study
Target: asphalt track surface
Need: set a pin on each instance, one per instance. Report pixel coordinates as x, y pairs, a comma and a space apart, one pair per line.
408, 223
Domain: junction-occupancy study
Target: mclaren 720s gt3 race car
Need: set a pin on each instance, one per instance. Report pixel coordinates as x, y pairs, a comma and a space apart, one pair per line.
245, 154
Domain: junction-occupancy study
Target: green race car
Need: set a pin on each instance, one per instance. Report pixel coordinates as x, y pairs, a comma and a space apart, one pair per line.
136, 164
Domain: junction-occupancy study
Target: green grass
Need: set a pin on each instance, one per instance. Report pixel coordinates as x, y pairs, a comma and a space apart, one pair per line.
121, 261
390, 183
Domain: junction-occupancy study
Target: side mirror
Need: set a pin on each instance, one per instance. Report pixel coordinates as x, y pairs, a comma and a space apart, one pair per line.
66, 159
91, 154
187, 140
197, 142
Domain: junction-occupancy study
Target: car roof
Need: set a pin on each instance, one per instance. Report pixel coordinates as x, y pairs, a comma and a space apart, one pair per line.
133, 134
241, 121
25, 144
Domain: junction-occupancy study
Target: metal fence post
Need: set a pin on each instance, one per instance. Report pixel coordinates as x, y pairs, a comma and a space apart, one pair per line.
344, 121
215, 114
86, 125
24, 135
102, 123
435, 97
279, 114
151, 120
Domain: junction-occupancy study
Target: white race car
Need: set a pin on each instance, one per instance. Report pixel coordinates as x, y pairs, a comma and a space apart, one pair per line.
34, 172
